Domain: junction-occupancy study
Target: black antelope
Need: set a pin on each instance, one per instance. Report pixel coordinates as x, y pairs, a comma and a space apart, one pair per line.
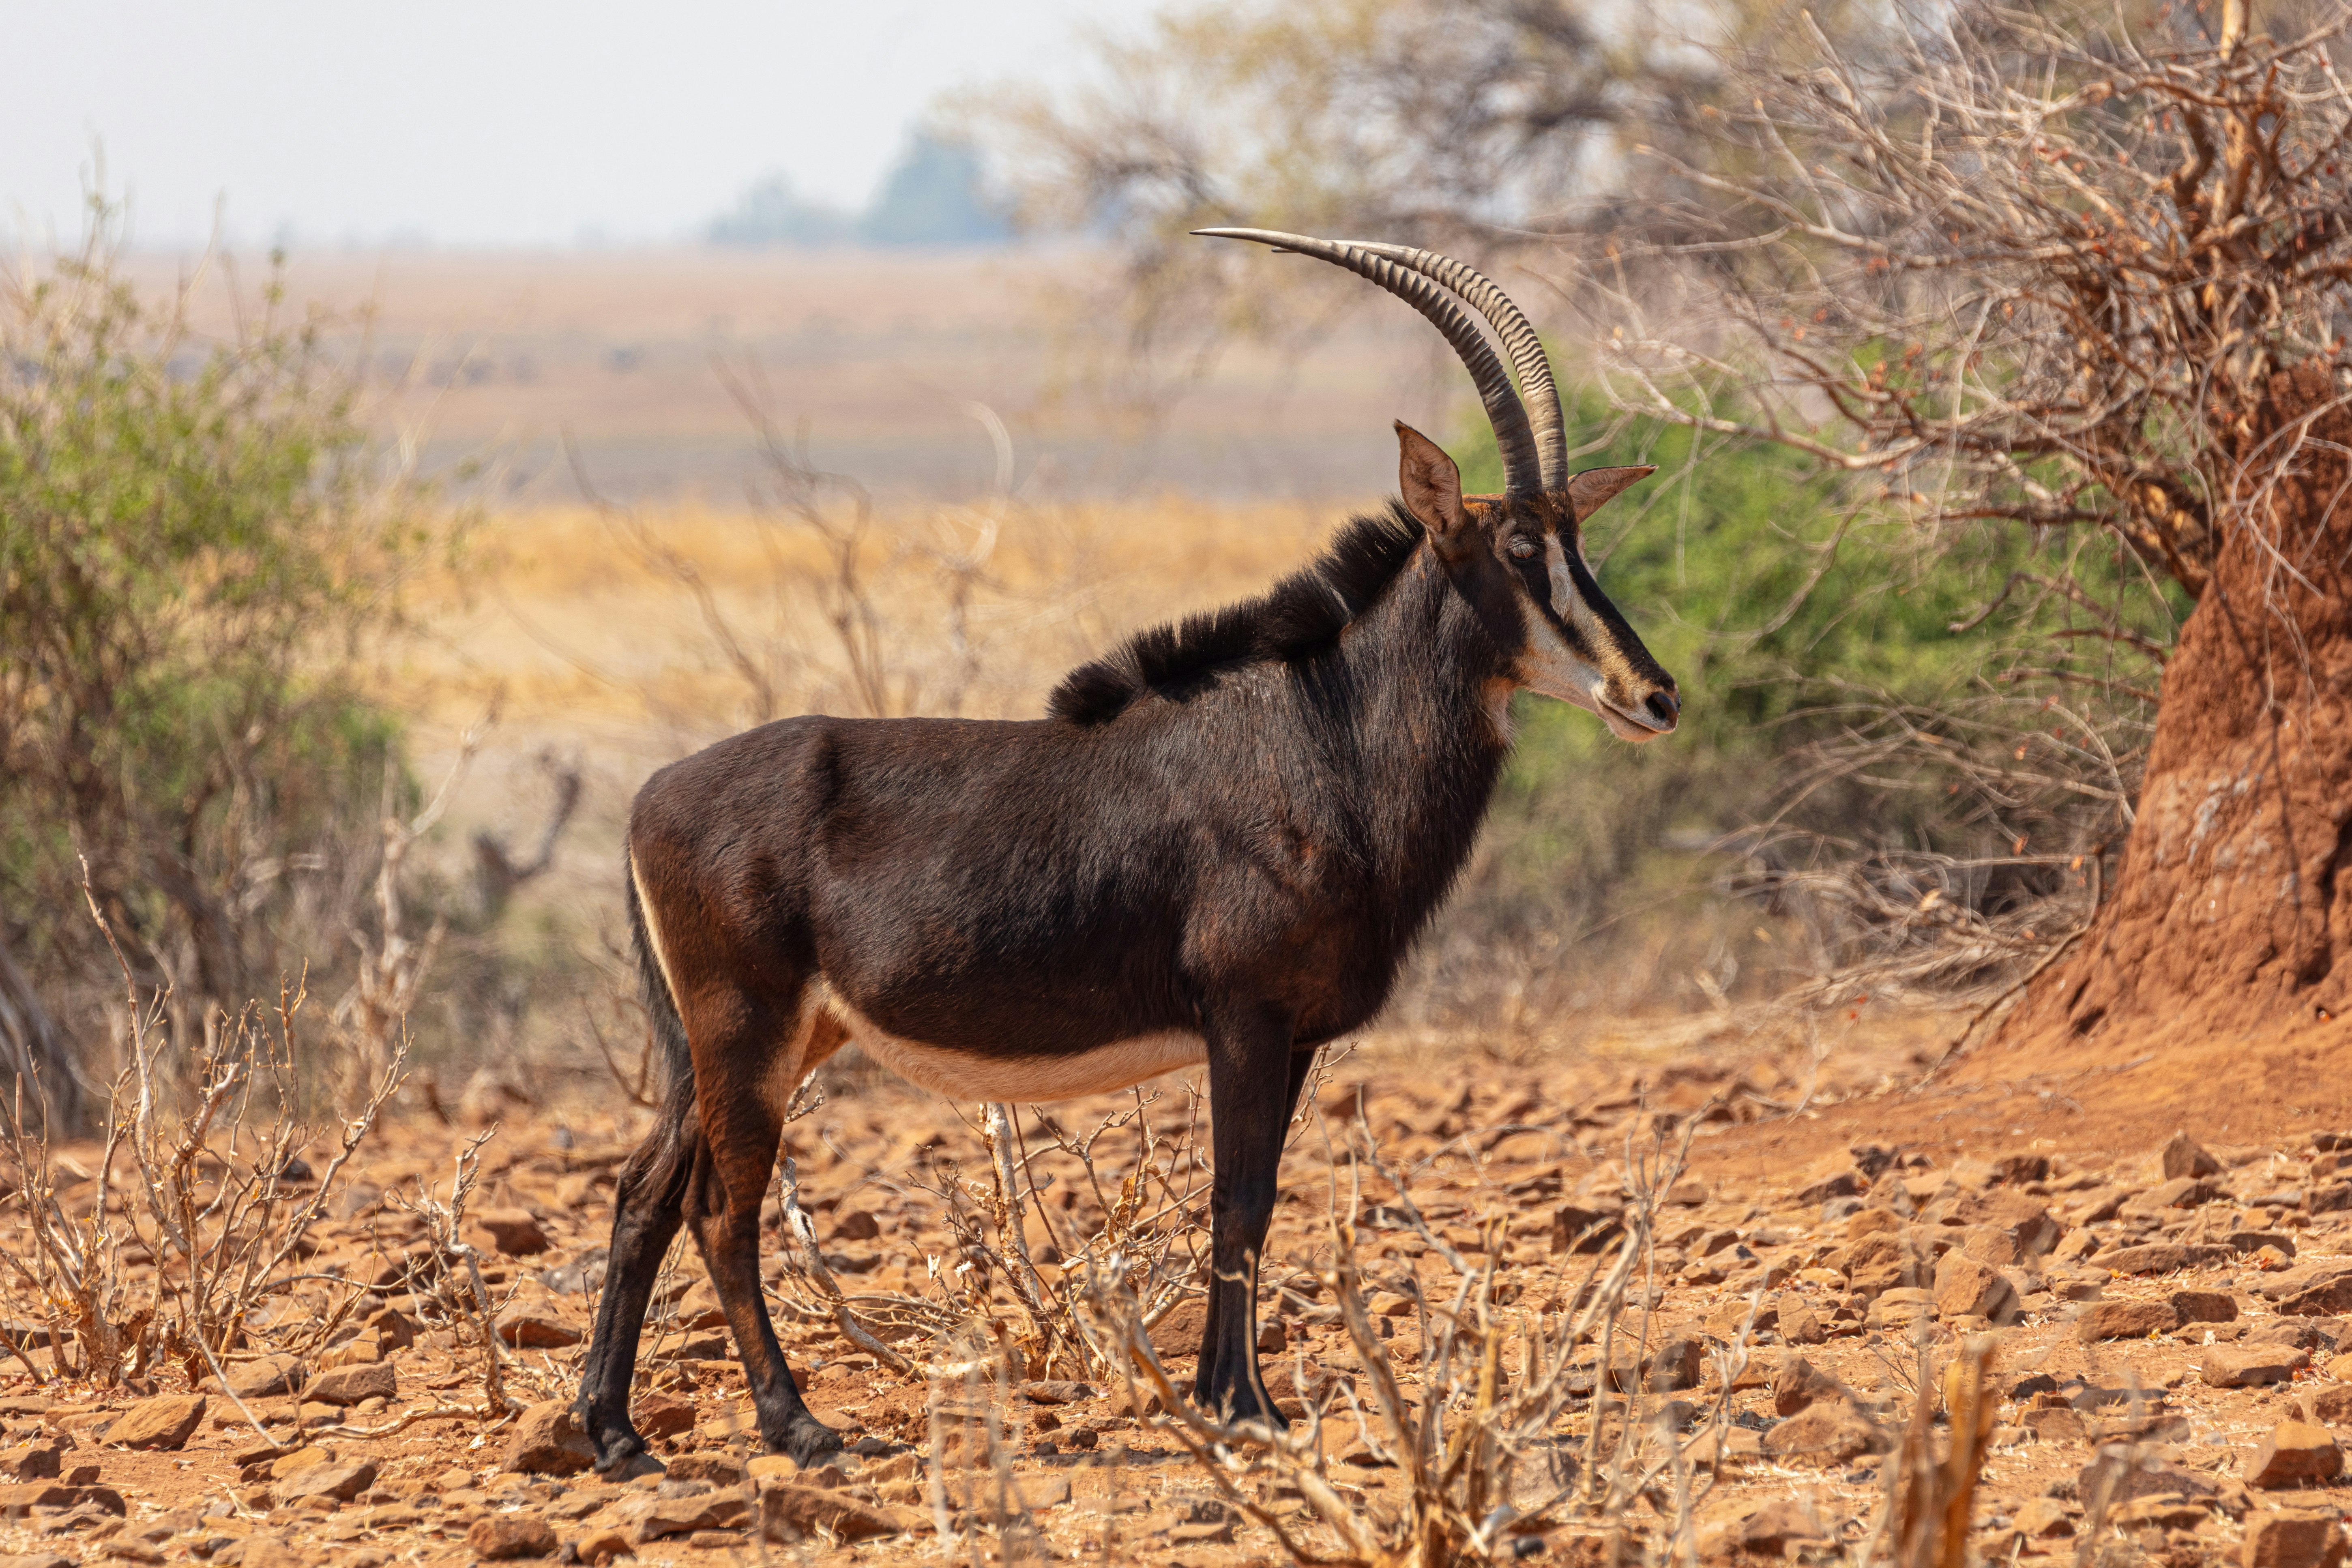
1214, 849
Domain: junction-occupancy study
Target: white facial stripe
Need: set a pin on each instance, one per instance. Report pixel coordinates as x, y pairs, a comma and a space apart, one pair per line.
1565, 599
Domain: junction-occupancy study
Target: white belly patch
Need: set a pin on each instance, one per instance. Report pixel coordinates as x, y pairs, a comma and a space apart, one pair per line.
963, 1075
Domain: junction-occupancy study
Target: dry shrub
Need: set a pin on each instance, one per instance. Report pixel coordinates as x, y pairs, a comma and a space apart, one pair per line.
1479, 1443
184, 1241
1143, 1220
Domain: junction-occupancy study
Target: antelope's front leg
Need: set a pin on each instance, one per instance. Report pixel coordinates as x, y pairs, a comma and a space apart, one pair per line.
1254, 1079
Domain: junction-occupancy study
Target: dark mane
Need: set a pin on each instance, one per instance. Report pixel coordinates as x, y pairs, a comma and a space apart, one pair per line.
1303, 612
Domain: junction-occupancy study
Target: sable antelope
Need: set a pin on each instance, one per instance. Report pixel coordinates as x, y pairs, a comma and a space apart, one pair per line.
1214, 849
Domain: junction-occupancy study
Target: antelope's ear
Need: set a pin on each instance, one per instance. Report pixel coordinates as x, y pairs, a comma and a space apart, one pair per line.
1591, 491
1431, 486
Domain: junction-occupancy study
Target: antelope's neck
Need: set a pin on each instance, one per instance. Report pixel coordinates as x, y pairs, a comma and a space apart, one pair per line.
1428, 698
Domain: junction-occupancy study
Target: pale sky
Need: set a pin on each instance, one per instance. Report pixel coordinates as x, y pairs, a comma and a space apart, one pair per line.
484, 122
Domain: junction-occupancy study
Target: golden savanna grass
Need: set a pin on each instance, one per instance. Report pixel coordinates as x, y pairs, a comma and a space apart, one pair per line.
564, 616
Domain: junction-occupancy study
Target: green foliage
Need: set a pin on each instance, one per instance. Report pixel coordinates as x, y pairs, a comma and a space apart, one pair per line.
1800, 624
192, 548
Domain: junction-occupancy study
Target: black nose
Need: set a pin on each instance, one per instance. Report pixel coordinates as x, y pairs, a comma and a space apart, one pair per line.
1663, 706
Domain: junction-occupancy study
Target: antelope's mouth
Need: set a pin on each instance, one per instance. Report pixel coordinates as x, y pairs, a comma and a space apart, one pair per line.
1656, 717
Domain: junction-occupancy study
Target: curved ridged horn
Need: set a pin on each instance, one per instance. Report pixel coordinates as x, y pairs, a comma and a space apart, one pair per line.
1541, 394
1522, 471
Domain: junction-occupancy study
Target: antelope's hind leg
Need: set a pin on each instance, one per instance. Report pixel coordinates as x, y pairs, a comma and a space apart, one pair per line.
743, 1085
647, 1201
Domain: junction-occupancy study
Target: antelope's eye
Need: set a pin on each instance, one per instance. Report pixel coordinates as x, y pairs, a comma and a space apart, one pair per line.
1522, 547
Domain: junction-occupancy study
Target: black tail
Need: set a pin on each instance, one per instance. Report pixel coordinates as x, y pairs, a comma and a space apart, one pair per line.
677, 1060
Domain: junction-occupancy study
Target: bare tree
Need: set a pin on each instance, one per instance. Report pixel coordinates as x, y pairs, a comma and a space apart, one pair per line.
2082, 277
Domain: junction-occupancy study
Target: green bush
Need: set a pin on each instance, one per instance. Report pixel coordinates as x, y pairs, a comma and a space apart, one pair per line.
194, 549
1833, 718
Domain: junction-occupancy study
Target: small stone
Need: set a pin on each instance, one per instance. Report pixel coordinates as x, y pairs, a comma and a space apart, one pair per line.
788, 1512
603, 1545
547, 1441
1967, 1287
2164, 1511
497, 1537
2203, 1306
2182, 1156
2293, 1453
2039, 1517
1832, 1431
350, 1385
31, 1461
166, 1421
717, 1468
2296, 1539
36, 1560
2245, 1366
264, 1377
659, 1517
857, 1225
2122, 1321
771, 1467
514, 1232
662, 1415
300, 1460
2162, 1257
342, 1482
2328, 1405
1798, 1383
1799, 1324
2056, 1423
1841, 1184
533, 1325
1673, 1366
1575, 1229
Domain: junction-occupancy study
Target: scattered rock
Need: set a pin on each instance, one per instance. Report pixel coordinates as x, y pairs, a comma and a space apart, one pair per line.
2182, 1156
658, 1517
2296, 1539
788, 1512
1832, 1431
35, 1461
1673, 1366
2329, 1405
1779, 1526
1967, 1287
264, 1377
2293, 1453
2245, 1365
661, 1416
1799, 1324
1799, 1384
857, 1225
2162, 1257
351, 1384
547, 1441
2039, 1517
1575, 1229
2203, 1307
602, 1545
2313, 1290
533, 1325
2122, 1321
514, 1232
342, 1482
1842, 1185
165, 1422
497, 1537
717, 1468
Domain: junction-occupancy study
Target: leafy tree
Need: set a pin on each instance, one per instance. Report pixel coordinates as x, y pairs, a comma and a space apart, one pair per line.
194, 547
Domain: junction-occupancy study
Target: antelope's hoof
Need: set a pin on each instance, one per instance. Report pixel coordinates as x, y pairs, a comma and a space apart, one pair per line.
807, 1440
